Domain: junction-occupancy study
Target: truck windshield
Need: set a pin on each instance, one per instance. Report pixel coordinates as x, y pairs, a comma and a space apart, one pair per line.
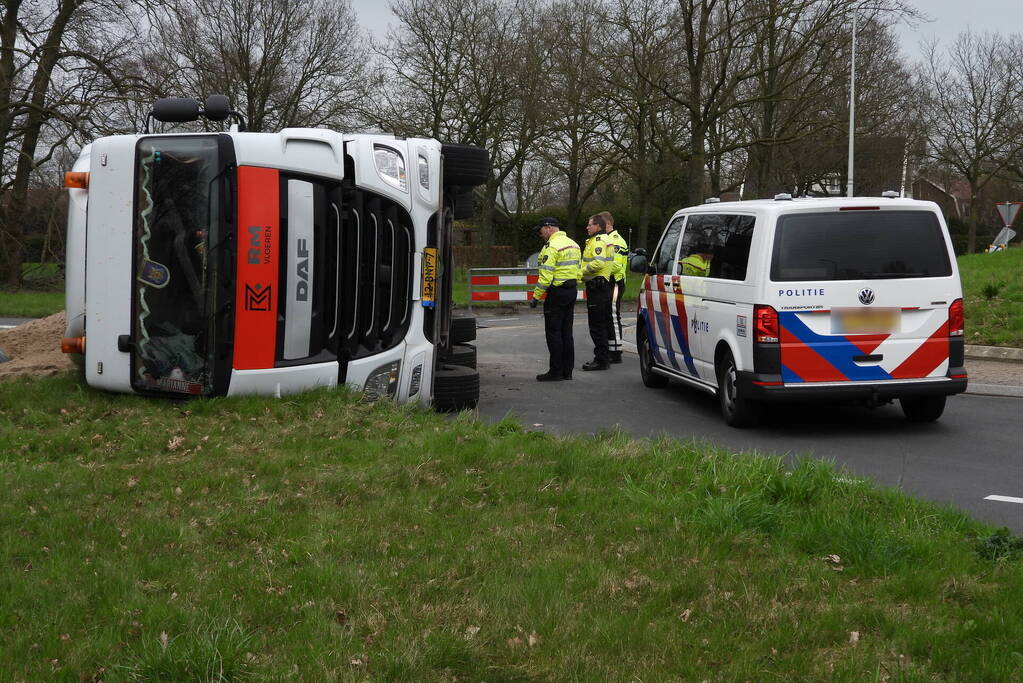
859, 245
177, 217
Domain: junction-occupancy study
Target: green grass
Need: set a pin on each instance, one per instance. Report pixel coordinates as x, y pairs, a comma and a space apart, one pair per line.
993, 297
321, 538
41, 295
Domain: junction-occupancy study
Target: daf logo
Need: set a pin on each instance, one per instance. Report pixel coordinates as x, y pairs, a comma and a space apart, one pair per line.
866, 296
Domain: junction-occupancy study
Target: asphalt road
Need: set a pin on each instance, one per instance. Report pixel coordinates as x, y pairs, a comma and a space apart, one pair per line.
972, 452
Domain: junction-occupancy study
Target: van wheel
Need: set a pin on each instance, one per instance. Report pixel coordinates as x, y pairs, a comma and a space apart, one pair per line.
923, 409
462, 330
646, 360
455, 388
737, 411
462, 354
465, 165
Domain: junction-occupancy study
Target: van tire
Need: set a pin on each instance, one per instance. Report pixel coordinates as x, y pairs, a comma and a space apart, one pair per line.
738, 412
466, 165
646, 360
923, 408
462, 354
455, 388
463, 330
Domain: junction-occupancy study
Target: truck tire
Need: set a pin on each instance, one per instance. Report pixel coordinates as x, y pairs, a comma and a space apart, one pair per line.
462, 354
465, 165
464, 205
455, 388
463, 330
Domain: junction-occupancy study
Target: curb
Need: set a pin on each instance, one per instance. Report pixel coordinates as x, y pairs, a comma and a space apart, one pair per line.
994, 353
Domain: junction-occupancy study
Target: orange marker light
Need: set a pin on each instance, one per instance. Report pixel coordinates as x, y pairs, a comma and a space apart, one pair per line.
72, 345
79, 179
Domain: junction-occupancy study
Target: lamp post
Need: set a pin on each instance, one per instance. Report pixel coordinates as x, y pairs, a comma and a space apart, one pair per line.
852, 109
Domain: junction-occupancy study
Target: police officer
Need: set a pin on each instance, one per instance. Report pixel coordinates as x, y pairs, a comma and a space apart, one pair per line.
559, 275
598, 262
621, 265
698, 261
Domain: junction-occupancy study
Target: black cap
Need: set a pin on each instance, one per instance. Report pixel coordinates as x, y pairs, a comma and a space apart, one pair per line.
548, 220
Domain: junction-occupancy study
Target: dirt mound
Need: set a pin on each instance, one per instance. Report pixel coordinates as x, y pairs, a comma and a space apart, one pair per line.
34, 348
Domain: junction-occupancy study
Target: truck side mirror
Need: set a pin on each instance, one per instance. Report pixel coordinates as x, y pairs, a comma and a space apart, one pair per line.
176, 109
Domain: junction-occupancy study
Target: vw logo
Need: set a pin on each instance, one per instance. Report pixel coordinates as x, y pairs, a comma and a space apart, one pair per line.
866, 296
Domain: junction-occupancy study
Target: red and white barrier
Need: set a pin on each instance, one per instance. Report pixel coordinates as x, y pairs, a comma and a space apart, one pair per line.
498, 284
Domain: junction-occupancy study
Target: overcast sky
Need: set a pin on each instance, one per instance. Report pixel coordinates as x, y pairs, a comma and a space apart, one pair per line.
950, 17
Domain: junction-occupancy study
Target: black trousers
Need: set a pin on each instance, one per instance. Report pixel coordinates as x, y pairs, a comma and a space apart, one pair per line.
614, 332
558, 311
598, 312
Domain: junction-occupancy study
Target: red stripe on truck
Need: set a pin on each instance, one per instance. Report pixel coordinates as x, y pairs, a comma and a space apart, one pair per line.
256, 290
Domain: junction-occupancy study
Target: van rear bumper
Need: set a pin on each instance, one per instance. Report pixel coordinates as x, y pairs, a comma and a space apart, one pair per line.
769, 388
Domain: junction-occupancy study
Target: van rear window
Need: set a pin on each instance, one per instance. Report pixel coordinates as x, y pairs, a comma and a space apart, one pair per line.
859, 245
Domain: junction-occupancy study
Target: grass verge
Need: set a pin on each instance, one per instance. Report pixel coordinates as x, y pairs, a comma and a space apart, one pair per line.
319, 537
993, 297
30, 304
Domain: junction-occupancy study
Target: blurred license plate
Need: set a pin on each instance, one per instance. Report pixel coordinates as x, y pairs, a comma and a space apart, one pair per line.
864, 320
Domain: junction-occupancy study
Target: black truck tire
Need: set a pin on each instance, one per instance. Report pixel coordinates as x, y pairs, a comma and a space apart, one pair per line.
455, 388
462, 354
465, 165
464, 205
463, 330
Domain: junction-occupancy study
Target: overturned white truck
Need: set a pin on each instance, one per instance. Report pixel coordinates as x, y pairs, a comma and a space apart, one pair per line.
228, 263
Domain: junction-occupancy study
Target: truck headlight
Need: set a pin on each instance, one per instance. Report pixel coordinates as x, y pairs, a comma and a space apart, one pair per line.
382, 382
391, 167
416, 381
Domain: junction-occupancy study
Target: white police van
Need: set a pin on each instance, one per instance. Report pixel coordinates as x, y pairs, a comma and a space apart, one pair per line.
213, 263
805, 300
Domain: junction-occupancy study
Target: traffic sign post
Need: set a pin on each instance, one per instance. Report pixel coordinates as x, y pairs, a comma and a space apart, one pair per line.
1008, 212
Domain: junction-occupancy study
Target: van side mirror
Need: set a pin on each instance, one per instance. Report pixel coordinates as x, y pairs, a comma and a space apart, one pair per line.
638, 262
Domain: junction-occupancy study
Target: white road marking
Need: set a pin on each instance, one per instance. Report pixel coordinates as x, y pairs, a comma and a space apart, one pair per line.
1005, 499
7, 327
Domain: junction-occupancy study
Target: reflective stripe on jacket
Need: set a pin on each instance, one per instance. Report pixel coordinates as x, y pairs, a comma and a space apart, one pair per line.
557, 264
598, 258
621, 256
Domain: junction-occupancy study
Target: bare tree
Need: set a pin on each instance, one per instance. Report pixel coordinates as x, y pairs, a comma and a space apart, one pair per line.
281, 62
53, 74
972, 118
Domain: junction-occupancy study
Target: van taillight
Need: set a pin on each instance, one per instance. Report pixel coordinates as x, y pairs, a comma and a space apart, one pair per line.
765, 324
956, 323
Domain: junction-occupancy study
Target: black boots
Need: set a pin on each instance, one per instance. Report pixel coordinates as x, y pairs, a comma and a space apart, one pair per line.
594, 365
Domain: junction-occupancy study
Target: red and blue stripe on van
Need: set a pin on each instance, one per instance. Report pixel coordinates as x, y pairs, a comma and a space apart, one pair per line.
666, 319
807, 356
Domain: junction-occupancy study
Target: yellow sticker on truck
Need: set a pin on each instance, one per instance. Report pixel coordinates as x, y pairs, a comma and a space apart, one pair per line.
429, 285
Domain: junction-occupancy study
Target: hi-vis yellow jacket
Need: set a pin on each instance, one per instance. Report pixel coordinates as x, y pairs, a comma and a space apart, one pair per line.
558, 263
621, 255
598, 257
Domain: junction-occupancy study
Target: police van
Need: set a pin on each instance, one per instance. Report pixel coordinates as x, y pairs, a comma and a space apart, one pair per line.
234, 262
805, 300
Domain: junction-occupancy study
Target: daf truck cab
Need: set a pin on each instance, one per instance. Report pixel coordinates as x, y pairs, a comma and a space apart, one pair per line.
227, 263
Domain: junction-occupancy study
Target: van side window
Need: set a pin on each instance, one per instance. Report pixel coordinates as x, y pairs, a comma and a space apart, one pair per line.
664, 260
717, 245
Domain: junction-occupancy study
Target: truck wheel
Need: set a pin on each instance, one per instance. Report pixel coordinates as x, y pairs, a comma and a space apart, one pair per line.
466, 165
646, 360
738, 412
455, 388
462, 354
464, 205
463, 329
923, 409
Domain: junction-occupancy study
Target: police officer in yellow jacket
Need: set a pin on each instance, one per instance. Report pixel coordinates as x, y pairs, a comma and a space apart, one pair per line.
621, 265
597, 266
559, 275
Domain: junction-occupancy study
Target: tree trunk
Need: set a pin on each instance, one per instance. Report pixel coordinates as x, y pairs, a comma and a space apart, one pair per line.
971, 231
